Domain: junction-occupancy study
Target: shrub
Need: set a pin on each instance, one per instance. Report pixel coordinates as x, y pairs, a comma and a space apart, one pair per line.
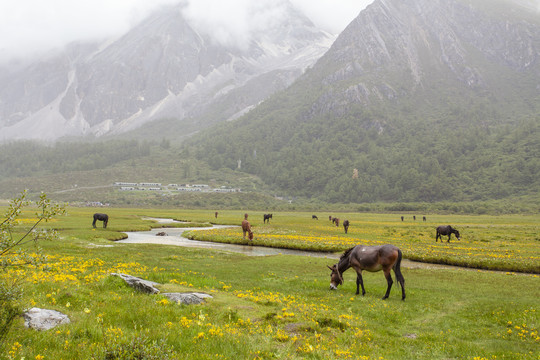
12, 237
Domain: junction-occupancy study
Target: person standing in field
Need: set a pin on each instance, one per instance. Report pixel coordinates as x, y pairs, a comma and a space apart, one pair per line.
246, 228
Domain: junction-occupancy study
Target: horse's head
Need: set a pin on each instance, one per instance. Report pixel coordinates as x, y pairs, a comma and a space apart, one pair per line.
457, 234
335, 277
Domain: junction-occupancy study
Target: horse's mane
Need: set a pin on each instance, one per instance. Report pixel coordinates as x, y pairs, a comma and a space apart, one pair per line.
346, 254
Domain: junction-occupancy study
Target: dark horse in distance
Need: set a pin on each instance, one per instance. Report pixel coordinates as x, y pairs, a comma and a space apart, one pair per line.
446, 230
370, 258
346, 225
267, 217
101, 217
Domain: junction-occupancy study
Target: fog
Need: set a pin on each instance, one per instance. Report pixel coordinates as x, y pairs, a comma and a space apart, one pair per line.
31, 27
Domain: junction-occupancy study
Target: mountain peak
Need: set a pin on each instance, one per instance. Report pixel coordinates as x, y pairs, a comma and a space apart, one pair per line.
399, 47
168, 66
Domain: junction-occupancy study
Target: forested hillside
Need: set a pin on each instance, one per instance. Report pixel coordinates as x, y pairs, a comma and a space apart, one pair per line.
80, 172
423, 161
27, 158
416, 100
86, 172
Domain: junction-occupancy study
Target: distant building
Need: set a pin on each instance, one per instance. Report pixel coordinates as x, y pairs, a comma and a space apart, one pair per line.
124, 184
151, 186
225, 190
96, 204
188, 189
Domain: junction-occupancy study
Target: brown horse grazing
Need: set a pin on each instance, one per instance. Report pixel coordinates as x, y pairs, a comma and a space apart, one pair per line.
424, 218
216, 214
335, 221
346, 225
267, 217
370, 258
314, 217
446, 230
101, 217
246, 228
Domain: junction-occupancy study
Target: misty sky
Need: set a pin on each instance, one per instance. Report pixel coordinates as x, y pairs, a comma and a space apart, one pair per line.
28, 27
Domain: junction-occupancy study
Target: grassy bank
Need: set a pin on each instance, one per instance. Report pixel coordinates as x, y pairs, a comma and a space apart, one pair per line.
276, 306
506, 243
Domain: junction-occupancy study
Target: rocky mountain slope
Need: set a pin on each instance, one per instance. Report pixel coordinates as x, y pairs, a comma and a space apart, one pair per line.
416, 100
163, 68
397, 50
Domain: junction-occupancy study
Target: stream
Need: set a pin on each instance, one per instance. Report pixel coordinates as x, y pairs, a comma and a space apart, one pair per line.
174, 237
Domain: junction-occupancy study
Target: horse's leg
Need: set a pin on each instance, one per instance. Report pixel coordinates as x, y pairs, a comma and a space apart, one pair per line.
449, 236
402, 283
399, 275
389, 281
105, 223
94, 223
360, 281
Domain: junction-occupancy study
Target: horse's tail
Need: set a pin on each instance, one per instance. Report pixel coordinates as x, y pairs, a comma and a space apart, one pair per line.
397, 269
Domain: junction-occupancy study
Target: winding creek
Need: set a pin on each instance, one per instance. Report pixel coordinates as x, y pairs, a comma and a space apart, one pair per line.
174, 237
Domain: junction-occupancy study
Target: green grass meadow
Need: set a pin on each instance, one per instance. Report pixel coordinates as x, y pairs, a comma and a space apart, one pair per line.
280, 307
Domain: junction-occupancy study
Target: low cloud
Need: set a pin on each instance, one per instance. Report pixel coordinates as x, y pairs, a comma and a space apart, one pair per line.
30, 27
332, 15
234, 22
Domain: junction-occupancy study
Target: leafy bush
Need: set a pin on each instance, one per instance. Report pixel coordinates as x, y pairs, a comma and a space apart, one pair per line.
12, 238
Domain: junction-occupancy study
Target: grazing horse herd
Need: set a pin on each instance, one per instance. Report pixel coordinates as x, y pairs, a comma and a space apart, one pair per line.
370, 258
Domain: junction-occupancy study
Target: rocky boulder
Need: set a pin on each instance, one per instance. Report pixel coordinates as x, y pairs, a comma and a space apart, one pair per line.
139, 284
187, 298
148, 287
43, 319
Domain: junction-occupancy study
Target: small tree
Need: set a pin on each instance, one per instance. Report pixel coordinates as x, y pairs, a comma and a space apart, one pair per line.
13, 255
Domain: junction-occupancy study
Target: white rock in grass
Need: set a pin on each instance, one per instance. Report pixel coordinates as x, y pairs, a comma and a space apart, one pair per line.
187, 298
142, 285
43, 319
